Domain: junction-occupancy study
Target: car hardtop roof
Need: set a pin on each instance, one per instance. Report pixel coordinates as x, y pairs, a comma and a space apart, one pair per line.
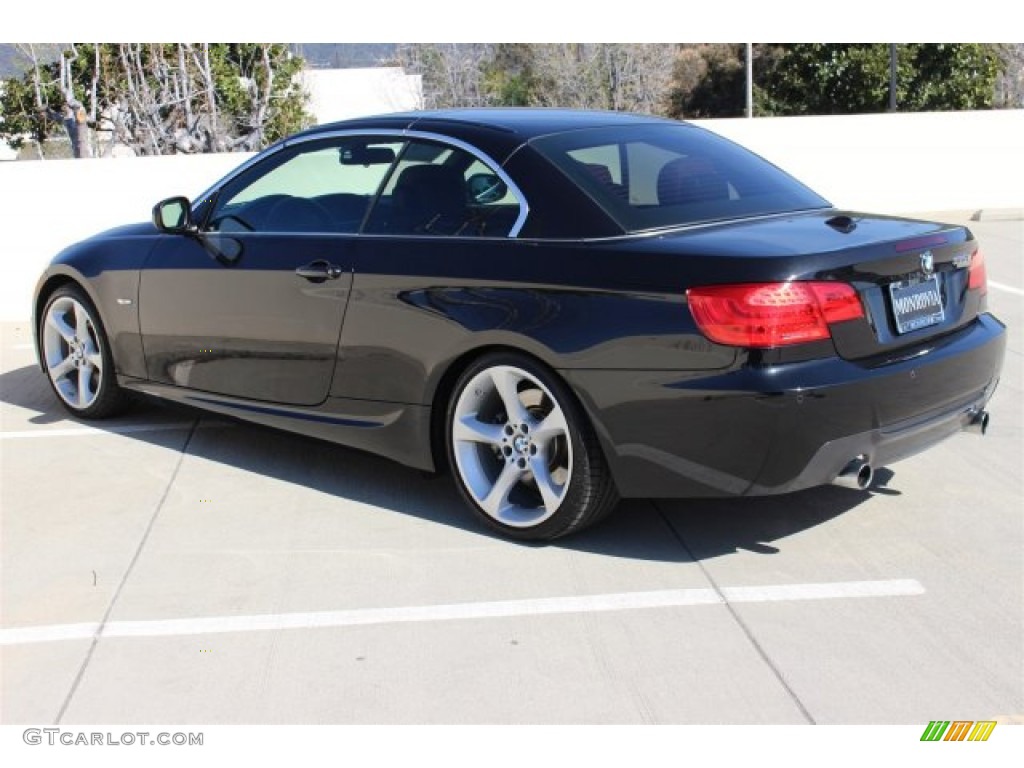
523, 123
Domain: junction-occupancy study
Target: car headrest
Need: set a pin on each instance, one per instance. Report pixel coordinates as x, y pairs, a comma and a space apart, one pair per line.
437, 188
690, 180
600, 172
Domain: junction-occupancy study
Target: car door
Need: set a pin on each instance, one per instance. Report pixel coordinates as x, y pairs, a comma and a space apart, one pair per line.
442, 224
252, 305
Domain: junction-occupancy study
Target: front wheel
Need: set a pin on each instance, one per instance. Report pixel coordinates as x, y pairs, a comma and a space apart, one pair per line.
523, 454
77, 355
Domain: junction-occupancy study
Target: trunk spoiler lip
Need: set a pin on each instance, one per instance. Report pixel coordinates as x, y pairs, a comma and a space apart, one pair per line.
917, 243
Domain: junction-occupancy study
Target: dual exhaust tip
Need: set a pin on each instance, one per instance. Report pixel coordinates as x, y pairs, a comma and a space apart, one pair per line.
858, 474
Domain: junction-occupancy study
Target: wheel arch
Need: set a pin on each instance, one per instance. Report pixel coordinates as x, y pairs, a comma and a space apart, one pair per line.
49, 284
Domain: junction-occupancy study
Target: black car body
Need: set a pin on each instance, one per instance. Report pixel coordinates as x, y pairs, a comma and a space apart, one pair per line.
706, 325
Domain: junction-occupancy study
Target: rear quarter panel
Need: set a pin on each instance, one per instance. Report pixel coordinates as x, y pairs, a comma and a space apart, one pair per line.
417, 304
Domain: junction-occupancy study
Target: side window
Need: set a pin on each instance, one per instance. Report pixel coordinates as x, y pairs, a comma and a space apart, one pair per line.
445, 192
663, 175
604, 165
319, 187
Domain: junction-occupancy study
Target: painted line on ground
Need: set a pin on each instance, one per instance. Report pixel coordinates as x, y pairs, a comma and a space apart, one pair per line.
116, 429
623, 601
1004, 287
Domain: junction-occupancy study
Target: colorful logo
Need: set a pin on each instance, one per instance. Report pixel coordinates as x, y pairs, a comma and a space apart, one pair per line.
958, 730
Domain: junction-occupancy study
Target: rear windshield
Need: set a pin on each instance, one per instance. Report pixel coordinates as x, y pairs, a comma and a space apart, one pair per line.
654, 176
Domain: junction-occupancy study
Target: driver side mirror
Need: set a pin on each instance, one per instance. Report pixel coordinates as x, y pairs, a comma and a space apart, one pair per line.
174, 216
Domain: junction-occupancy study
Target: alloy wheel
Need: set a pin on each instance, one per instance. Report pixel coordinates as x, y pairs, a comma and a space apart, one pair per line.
72, 352
511, 446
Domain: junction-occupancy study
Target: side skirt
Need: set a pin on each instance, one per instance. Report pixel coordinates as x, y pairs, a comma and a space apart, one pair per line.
397, 431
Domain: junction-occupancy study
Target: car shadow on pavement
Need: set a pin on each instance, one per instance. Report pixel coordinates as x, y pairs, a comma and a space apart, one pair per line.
710, 528
663, 529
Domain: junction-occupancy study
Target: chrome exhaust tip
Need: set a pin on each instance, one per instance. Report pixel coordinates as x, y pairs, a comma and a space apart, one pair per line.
978, 423
857, 475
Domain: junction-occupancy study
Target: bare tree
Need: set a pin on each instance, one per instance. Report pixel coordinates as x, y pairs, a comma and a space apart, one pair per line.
160, 98
633, 77
29, 50
453, 73
630, 77
74, 116
1010, 83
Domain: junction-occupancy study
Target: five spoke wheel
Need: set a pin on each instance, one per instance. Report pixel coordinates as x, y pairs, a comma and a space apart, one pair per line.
511, 446
75, 355
524, 457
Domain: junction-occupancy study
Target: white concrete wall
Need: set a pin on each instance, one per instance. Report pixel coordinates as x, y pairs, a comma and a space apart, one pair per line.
930, 161
885, 163
47, 205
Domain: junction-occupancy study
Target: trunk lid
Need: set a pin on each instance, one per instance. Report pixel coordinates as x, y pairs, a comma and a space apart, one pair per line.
911, 276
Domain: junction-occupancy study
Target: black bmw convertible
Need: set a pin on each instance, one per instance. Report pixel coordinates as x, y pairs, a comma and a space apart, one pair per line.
563, 308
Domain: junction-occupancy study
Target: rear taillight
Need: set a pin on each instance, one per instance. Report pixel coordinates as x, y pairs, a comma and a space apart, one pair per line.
976, 277
772, 314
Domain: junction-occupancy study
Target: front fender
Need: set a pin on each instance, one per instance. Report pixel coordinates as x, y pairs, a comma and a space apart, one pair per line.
107, 268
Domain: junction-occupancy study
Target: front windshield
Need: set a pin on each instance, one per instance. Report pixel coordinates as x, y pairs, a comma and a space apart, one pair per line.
665, 175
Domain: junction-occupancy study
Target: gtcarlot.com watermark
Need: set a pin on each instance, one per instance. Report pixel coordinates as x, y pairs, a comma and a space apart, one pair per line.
54, 736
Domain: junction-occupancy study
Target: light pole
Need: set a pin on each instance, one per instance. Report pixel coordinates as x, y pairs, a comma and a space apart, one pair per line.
892, 77
750, 79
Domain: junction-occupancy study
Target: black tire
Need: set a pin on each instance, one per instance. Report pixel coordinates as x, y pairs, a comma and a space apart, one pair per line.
80, 340
501, 460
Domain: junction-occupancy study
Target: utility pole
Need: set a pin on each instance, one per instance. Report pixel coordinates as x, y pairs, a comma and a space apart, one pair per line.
750, 79
892, 77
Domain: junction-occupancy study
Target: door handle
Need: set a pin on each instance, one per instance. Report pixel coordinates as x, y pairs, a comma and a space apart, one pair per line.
319, 270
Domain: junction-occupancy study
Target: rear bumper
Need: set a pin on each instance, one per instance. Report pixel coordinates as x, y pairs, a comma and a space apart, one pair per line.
770, 430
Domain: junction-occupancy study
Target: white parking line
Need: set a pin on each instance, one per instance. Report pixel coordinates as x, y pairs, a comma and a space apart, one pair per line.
623, 601
1004, 287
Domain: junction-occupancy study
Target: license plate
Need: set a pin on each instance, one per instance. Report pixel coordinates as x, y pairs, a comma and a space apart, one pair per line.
916, 305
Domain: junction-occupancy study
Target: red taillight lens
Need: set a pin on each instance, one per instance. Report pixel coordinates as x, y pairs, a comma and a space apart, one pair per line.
977, 279
772, 314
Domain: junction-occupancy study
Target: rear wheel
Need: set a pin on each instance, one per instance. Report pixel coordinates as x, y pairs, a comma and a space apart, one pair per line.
523, 454
76, 355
